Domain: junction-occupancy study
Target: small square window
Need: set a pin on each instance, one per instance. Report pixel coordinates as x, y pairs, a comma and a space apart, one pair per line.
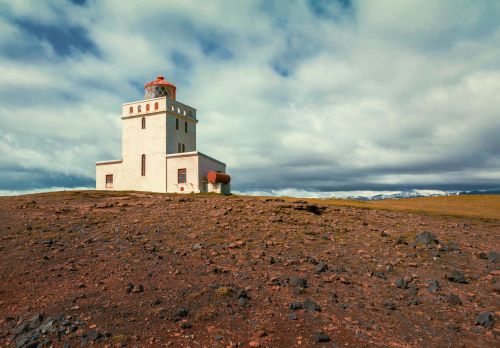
181, 176
109, 180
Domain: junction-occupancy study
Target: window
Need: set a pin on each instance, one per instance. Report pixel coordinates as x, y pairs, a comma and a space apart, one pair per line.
185, 127
183, 148
176, 123
143, 123
181, 176
131, 110
147, 107
143, 165
156, 106
139, 108
109, 180
178, 147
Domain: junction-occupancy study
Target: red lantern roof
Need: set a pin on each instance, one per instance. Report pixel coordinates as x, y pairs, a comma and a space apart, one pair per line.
159, 88
160, 81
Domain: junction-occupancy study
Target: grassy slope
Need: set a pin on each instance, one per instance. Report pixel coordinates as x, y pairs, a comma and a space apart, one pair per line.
480, 206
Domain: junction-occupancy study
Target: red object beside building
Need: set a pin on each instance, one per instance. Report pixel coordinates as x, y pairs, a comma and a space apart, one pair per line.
214, 178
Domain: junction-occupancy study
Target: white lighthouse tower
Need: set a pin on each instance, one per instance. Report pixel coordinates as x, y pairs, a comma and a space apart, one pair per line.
159, 148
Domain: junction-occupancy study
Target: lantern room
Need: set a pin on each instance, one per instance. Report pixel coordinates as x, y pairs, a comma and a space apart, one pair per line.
159, 88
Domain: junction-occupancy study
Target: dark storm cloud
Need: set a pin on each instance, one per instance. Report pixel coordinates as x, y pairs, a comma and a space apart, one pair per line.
65, 40
22, 179
306, 96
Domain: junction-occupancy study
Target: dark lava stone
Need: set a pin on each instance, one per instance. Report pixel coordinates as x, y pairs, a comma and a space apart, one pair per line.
334, 297
412, 290
482, 255
493, 257
321, 337
94, 335
380, 275
457, 277
321, 267
181, 312
243, 301
414, 302
433, 286
426, 238
485, 319
389, 305
292, 316
129, 287
295, 305
311, 306
185, 326
298, 282
453, 299
401, 283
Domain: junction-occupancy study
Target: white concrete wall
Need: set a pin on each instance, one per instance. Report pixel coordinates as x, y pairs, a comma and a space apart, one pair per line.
149, 141
176, 136
101, 170
188, 161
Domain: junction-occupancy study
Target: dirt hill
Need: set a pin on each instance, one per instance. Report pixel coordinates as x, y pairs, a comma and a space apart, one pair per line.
138, 269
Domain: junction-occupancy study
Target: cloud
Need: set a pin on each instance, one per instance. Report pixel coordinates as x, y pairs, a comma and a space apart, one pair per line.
313, 96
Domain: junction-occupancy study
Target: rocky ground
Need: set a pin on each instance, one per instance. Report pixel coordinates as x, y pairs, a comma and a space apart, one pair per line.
134, 269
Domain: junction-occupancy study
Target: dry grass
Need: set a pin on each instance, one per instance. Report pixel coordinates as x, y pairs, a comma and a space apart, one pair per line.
478, 206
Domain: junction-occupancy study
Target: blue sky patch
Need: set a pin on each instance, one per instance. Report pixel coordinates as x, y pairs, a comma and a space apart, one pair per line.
65, 40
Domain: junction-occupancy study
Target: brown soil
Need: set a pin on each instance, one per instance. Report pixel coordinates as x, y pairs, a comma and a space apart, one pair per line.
234, 264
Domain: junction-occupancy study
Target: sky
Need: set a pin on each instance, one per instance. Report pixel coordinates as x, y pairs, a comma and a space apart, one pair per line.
294, 96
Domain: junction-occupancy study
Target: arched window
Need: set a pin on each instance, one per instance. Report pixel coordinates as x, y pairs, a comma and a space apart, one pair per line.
185, 127
178, 147
176, 123
144, 123
147, 107
131, 110
143, 165
183, 148
139, 108
156, 106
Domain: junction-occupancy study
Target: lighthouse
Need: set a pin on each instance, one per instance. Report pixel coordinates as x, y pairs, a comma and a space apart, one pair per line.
159, 148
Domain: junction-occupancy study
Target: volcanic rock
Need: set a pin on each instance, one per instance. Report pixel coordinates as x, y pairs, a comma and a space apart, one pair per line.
401, 283
457, 277
485, 319
433, 285
426, 238
453, 299
321, 337
311, 306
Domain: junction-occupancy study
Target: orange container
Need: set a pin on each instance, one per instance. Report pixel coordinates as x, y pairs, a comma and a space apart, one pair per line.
214, 177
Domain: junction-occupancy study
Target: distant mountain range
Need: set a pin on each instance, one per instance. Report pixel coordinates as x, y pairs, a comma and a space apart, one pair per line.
423, 193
